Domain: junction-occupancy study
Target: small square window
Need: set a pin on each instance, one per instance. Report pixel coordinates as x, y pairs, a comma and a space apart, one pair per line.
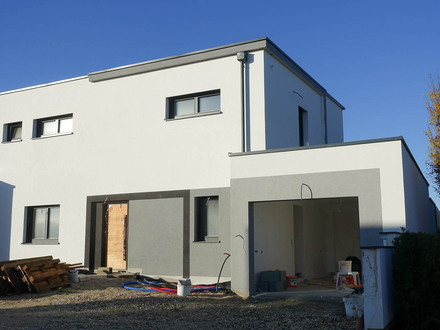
53, 126
193, 104
42, 223
12, 132
207, 218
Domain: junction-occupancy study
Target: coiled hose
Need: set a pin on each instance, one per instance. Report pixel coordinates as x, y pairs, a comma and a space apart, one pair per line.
165, 287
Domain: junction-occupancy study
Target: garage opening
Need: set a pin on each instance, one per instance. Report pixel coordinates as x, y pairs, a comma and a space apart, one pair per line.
305, 238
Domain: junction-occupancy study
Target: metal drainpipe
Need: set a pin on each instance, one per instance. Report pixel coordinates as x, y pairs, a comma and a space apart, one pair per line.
242, 57
325, 119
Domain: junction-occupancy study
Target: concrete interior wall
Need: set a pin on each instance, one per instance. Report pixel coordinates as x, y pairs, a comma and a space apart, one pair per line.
273, 237
306, 237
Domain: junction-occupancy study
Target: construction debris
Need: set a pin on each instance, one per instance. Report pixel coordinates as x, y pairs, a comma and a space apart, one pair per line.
34, 275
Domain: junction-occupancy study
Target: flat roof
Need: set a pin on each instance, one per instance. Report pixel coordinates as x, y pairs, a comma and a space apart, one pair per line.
210, 54
333, 145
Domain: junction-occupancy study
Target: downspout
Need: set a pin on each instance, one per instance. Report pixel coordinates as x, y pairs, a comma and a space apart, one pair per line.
325, 118
242, 57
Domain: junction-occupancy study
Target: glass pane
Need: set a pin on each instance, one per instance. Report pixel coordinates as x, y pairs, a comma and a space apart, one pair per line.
66, 125
14, 132
209, 103
39, 225
212, 224
184, 107
50, 127
54, 221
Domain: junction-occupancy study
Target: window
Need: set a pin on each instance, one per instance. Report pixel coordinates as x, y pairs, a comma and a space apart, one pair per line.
303, 127
42, 224
12, 132
193, 104
54, 126
207, 219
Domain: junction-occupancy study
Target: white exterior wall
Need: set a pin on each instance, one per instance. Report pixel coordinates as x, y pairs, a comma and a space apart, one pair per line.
335, 132
120, 143
418, 207
285, 92
386, 156
255, 101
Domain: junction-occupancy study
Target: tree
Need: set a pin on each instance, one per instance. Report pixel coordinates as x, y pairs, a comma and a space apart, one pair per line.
433, 132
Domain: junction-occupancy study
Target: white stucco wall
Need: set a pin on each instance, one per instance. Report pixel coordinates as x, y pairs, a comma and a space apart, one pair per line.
335, 132
385, 156
121, 143
418, 207
285, 92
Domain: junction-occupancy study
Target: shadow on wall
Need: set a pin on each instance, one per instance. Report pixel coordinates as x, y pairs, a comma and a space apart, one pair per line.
6, 192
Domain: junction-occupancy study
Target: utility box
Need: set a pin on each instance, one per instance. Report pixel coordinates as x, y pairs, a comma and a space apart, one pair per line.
273, 280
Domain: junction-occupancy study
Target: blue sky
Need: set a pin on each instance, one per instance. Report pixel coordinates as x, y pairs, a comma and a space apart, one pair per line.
372, 56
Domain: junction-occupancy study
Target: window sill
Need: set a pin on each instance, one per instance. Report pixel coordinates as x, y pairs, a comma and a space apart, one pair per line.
12, 141
200, 114
51, 136
42, 242
212, 239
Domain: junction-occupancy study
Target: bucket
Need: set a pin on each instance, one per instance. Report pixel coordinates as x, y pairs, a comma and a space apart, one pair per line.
183, 287
291, 281
344, 266
73, 275
354, 305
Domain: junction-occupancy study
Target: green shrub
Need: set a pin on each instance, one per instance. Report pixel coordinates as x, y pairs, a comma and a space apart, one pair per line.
416, 268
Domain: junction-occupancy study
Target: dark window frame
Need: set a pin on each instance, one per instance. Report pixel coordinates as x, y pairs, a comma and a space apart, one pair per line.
39, 125
30, 225
9, 133
303, 127
171, 104
201, 219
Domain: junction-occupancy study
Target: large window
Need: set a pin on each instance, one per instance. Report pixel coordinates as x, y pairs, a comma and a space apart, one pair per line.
54, 126
193, 104
207, 218
42, 224
12, 132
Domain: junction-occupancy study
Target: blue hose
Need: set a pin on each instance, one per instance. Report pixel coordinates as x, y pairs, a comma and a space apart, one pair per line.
126, 286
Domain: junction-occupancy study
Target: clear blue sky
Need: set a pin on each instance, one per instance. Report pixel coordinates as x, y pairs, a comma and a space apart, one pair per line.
373, 56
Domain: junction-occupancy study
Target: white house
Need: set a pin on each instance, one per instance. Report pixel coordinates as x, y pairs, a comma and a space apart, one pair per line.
163, 166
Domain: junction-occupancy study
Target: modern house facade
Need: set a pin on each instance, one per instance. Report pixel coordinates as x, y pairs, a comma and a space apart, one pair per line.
162, 167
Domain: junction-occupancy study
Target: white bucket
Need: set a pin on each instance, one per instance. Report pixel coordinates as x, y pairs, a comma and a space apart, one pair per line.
344, 266
354, 305
73, 275
183, 287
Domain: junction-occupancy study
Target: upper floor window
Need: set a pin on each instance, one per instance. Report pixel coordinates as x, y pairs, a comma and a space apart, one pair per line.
193, 104
303, 127
12, 132
54, 125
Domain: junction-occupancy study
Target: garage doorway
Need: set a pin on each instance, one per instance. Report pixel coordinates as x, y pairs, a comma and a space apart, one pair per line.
304, 237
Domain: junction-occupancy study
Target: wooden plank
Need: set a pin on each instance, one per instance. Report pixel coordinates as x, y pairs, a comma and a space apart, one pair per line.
15, 280
36, 277
14, 263
39, 264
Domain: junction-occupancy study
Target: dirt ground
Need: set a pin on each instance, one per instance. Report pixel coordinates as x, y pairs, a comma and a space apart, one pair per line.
98, 302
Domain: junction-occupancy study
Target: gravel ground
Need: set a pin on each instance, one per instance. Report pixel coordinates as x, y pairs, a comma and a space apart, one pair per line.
99, 302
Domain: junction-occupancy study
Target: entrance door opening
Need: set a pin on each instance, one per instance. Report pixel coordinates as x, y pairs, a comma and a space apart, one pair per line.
116, 234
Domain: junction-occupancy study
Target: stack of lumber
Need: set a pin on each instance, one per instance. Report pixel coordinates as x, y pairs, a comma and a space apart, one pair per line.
34, 275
